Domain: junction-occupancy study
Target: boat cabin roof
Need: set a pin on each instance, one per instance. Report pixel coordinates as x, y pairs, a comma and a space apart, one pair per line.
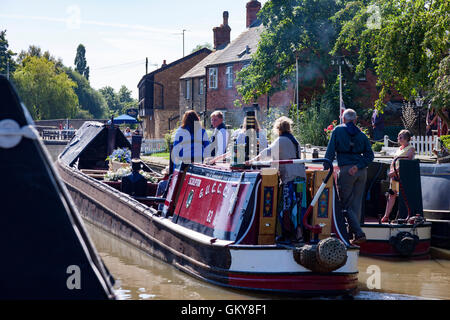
90, 144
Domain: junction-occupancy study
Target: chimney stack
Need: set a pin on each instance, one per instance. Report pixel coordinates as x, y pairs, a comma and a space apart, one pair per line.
222, 33
252, 9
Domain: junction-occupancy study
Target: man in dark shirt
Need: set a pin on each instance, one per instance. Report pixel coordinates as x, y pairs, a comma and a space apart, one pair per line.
134, 184
352, 149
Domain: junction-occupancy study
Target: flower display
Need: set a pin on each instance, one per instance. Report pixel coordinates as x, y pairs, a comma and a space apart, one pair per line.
122, 155
328, 130
124, 171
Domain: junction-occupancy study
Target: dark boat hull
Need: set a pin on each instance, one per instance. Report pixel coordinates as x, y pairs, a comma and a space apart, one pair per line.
250, 267
435, 180
379, 239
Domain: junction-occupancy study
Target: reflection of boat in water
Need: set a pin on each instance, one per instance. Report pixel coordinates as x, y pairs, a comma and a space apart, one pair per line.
436, 201
408, 234
215, 225
46, 253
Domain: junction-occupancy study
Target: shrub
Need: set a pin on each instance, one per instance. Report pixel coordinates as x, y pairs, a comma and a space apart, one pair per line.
377, 146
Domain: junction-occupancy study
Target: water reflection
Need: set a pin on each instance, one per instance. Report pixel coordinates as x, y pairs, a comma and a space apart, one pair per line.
143, 277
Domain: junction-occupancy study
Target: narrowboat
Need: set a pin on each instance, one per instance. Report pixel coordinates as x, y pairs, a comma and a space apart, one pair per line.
46, 251
408, 233
435, 178
217, 223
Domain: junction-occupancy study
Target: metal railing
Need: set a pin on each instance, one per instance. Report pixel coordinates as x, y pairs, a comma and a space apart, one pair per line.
150, 146
57, 134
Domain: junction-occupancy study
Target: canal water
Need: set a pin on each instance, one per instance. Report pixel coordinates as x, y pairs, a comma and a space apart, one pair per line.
142, 277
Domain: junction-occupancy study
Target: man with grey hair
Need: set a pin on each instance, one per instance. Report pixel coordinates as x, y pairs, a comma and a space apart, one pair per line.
353, 151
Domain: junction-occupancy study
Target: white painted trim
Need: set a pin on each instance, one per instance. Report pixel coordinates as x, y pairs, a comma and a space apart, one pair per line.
384, 233
279, 260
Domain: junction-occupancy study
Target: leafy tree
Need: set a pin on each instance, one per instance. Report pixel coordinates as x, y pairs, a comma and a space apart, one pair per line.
112, 100
403, 41
6, 55
80, 62
46, 91
91, 100
201, 46
126, 100
36, 51
292, 27
441, 89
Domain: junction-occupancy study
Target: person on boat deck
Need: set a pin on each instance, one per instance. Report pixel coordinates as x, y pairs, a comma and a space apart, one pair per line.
128, 132
240, 135
134, 183
286, 147
219, 139
352, 149
405, 151
190, 140
431, 121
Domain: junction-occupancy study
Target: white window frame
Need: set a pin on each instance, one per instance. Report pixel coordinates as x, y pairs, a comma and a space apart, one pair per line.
201, 83
229, 73
212, 77
187, 89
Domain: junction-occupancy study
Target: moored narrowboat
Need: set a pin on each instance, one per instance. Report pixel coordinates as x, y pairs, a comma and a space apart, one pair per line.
408, 233
218, 223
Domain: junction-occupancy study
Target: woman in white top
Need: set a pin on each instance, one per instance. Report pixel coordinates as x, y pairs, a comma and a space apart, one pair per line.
286, 147
405, 151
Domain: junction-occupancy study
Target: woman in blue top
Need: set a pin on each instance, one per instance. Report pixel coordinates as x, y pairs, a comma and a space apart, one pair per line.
190, 140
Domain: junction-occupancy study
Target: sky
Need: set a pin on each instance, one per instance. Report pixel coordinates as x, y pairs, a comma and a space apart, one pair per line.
118, 35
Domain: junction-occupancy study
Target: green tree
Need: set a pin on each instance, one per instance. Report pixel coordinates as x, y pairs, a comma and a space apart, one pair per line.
126, 100
441, 88
112, 100
80, 62
6, 55
302, 27
201, 46
403, 41
91, 100
36, 51
46, 91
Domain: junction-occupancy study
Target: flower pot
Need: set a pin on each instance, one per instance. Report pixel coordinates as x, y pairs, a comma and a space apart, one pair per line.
115, 165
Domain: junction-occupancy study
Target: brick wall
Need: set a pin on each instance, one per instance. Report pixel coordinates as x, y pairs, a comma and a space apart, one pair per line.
157, 126
196, 100
223, 98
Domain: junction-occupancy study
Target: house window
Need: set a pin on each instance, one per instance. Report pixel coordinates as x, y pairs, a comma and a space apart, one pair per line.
229, 74
188, 90
213, 78
200, 86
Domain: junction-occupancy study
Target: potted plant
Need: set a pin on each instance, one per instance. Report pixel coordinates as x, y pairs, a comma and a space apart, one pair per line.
120, 158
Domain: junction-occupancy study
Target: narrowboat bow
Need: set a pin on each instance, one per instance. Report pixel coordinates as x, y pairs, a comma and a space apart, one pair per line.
217, 223
47, 253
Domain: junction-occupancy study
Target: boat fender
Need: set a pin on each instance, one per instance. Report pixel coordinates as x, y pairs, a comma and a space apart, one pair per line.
328, 255
404, 243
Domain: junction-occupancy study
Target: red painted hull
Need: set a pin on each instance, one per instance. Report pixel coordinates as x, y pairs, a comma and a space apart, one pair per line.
295, 283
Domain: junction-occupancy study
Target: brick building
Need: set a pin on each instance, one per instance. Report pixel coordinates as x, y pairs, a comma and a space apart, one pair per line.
159, 93
211, 84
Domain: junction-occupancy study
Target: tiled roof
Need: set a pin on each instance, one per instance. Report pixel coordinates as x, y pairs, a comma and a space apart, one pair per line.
199, 69
241, 48
167, 66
